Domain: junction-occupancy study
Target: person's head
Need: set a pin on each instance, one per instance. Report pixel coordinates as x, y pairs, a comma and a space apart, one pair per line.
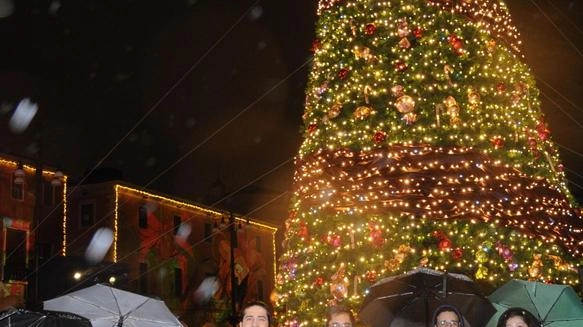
255, 314
339, 316
447, 316
517, 317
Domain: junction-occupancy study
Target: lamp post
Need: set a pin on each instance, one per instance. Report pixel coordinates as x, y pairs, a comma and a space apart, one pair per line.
36, 217
234, 318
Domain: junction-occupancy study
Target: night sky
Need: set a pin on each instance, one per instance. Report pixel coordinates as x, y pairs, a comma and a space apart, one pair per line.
202, 99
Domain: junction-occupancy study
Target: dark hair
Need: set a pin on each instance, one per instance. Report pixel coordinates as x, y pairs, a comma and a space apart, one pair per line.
448, 308
259, 304
336, 310
528, 317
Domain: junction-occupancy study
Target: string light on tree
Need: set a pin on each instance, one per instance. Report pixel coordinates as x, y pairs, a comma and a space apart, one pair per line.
427, 147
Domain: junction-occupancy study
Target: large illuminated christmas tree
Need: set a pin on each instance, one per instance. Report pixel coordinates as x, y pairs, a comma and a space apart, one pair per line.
424, 145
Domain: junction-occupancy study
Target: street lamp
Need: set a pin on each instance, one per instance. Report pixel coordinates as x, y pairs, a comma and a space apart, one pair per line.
19, 175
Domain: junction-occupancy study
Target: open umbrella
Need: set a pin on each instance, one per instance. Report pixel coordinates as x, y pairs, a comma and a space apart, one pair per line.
410, 299
106, 306
26, 318
553, 305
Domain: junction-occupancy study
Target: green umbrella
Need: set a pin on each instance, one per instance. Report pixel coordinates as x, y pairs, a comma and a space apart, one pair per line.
553, 305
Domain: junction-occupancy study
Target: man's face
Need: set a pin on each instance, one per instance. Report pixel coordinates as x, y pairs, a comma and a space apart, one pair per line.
340, 320
447, 319
255, 316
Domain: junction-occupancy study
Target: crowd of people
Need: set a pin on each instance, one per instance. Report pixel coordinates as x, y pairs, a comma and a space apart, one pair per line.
258, 314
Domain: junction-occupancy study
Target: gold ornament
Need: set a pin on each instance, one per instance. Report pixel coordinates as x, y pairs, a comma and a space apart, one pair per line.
404, 43
362, 53
365, 111
535, 268
482, 273
473, 97
562, 265
339, 283
409, 118
397, 91
453, 109
403, 28
447, 70
439, 109
491, 46
334, 110
481, 256
405, 104
392, 264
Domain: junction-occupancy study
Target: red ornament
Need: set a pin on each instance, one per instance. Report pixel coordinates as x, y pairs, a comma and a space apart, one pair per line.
444, 244
370, 29
457, 45
544, 135
303, 230
319, 281
457, 254
497, 142
560, 167
316, 44
371, 276
452, 38
312, 128
400, 66
418, 32
543, 132
501, 87
334, 240
343, 73
532, 143
379, 137
440, 235
376, 236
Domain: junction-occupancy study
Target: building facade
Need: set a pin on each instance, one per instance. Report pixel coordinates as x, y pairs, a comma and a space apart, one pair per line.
173, 249
31, 210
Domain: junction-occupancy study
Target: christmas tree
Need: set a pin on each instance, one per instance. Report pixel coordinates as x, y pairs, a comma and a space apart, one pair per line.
424, 146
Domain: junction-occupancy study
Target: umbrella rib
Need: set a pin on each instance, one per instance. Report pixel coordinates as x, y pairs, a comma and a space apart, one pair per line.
80, 299
395, 295
553, 306
116, 302
135, 308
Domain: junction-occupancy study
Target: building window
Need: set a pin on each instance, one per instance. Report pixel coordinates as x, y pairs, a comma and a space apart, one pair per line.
143, 279
258, 243
208, 231
143, 217
260, 295
87, 214
177, 223
17, 190
52, 195
177, 281
15, 254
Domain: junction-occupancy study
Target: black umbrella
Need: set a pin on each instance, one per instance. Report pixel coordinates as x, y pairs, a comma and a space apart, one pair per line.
25, 318
409, 300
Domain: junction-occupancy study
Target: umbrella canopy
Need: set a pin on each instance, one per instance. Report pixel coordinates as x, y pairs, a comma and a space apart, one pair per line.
106, 306
410, 299
553, 305
25, 318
